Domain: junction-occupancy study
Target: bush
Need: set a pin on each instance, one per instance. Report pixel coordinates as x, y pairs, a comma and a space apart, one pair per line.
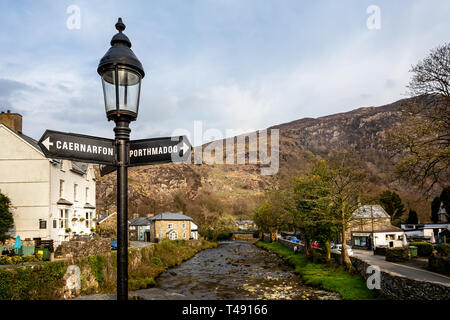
11, 260
443, 249
440, 264
424, 249
225, 235
398, 254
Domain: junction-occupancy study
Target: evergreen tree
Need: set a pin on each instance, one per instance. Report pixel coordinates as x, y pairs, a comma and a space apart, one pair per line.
412, 217
6, 218
435, 206
391, 202
445, 198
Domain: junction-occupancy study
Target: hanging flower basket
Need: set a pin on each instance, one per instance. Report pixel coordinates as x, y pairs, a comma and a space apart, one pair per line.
68, 230
74, 219
95, 219
82, 219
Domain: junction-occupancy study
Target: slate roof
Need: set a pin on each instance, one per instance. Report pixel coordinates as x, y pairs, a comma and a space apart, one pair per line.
242, 222
88, 206
64, 202
170, 216
78, 167
370, 211
141, 221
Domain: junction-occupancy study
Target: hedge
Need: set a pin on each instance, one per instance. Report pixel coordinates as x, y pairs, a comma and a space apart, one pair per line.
398, 254
424, 249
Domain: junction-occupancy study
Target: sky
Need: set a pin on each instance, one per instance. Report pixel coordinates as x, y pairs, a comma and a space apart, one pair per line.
236, 65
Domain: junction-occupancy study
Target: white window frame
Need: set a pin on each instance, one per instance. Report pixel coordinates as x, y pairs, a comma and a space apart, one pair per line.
172, 234
61, 188
75, 192
170, 226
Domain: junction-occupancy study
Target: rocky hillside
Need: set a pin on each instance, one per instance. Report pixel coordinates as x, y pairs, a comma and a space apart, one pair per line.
237, 189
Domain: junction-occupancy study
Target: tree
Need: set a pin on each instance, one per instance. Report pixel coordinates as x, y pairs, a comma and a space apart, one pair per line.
327, 198
273, 214
348, 184
6, 218
445, 198
180, 204
313, 204
435, 206
412, 217
392, 203
422, 140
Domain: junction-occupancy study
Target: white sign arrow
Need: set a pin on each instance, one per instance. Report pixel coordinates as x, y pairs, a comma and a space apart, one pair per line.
47, 143
185, 147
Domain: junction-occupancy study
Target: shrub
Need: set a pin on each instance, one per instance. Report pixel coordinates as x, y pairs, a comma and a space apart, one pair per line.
33, 257
443, 249
156, 261
398, 254
225, 235
424, 249
438, 263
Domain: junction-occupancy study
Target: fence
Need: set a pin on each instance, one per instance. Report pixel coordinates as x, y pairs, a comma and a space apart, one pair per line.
25, 251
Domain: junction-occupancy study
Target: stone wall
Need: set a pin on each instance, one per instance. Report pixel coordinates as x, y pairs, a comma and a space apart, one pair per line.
291, 244
76, 249
397, 287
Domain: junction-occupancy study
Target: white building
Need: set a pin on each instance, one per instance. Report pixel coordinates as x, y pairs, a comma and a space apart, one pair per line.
194, 231
425, 232
51, 199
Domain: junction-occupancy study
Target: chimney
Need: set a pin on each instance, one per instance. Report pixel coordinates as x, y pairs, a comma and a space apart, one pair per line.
12, 120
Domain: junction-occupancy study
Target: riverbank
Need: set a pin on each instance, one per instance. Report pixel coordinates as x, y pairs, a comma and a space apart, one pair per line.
234, 270
97, 272
326, 276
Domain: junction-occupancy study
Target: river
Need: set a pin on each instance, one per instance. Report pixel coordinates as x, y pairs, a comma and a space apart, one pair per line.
233, 270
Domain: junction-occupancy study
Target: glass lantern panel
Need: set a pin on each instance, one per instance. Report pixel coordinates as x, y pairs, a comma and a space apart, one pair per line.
109, 90
129, 83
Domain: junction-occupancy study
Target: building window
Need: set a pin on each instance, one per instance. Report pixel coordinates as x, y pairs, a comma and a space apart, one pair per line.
87, 222
55, 224
173, 235
63, 218
184, 235
170, 226
183, 226
87, 195
61, 188
42, 224
75, 192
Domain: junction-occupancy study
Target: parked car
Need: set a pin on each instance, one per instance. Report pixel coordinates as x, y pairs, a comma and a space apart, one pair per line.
292, 238
337, 248
113, 244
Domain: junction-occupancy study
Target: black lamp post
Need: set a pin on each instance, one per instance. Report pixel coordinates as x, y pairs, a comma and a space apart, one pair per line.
121, 73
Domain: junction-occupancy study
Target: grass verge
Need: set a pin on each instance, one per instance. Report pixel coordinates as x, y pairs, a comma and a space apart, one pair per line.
326, 276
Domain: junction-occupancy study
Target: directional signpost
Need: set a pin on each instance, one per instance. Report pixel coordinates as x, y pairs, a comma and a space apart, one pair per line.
78, 147
154, 151
121, 73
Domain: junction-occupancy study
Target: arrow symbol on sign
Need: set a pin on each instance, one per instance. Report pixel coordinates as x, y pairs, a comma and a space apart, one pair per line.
47, 143
185, 147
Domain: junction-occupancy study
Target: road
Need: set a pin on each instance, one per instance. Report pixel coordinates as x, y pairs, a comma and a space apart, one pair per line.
413, 270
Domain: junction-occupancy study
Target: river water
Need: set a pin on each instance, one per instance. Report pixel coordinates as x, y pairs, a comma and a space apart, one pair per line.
234, 270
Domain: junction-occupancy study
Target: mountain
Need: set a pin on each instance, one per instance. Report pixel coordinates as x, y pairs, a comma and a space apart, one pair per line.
209, 190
